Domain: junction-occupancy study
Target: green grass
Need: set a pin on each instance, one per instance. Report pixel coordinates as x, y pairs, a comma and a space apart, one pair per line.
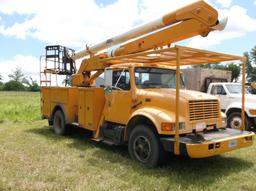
32, 157
19, 106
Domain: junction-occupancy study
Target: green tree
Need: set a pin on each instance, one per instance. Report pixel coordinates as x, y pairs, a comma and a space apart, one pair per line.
16, 81
219, 67
17, 75
252, 70
14, 86
1, 83
207, 66
250, 75
253, 55
235, 69
32, 84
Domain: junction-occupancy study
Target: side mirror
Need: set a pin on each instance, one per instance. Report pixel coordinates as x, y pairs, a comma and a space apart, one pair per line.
108, 75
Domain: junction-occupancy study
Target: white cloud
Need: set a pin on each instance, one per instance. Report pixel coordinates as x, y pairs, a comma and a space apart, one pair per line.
225, 3
72, 23
152, 9
212, 39
79, 22
239, 24
29, 65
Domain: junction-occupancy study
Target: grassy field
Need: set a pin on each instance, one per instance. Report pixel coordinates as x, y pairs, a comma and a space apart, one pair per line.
32, 157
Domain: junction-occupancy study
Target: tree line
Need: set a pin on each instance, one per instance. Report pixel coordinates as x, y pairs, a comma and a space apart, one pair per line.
251, 65
18, 82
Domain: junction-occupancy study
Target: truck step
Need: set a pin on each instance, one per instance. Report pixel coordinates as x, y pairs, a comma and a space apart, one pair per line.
108, 142
97, 140
112, 133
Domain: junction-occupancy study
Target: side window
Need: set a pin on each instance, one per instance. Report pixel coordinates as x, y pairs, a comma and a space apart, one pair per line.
214, 90
121, 79
141, 78
218, 90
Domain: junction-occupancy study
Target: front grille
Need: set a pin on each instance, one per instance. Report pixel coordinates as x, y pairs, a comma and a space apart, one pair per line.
203, 109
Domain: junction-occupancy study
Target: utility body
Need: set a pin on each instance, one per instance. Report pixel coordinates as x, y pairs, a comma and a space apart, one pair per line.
143, 103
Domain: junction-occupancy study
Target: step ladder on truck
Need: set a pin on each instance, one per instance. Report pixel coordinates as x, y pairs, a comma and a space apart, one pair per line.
143, 103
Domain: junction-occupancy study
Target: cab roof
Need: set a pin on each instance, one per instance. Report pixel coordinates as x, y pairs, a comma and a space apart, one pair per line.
226, 83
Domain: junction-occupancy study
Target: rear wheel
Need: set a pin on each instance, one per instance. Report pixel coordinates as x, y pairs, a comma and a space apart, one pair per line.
59, 123
235, 120
144, 146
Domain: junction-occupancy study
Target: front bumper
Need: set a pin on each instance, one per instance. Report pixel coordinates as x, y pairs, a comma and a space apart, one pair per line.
211, 143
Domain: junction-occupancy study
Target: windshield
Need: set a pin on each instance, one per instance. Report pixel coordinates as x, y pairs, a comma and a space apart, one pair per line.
147, 77
235, 89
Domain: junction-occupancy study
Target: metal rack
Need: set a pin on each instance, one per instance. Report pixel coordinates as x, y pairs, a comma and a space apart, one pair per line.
56, 61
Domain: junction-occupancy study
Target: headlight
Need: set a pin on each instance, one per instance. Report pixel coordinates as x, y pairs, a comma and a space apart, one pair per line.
182, 125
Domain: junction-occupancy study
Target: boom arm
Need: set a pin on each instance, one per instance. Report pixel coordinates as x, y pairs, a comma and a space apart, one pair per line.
195, 19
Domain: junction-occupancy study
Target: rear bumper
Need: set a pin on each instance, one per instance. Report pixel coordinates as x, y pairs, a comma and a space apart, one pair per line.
211, 143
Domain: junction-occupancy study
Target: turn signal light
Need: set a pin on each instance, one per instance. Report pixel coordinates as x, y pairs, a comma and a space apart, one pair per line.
167, 126
248, 138
252, 111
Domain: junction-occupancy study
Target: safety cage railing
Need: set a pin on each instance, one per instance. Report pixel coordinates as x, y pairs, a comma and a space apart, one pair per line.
56, 61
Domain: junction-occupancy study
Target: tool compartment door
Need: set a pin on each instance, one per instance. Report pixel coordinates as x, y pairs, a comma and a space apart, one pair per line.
45, 102
91, 102
81, 110
89, 110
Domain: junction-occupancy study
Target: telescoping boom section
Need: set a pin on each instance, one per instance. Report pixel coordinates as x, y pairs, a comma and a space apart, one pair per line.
195, 19
142, 101
198, 18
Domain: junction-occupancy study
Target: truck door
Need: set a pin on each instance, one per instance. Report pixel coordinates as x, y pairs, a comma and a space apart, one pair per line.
119, 97
219, 91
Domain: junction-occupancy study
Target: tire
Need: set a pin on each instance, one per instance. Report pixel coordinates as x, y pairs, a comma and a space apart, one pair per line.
144, 146
59, 123
235, 120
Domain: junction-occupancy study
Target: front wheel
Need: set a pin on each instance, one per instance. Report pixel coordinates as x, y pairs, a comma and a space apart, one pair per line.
235, 120
144, 146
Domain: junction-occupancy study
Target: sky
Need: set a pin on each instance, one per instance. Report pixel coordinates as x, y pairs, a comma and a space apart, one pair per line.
27, 26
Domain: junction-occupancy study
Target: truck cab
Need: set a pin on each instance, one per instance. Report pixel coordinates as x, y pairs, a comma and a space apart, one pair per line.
230, 96
144, 90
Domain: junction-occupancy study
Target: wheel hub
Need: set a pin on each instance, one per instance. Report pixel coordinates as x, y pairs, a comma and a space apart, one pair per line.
142, 148
57, 122
236, 123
